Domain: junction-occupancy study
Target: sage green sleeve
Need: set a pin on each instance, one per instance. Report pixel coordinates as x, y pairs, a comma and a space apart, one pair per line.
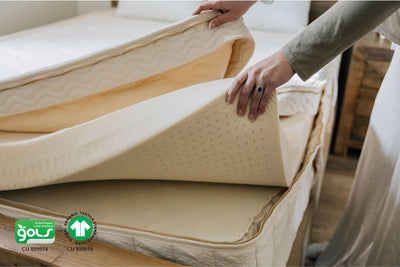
334, 32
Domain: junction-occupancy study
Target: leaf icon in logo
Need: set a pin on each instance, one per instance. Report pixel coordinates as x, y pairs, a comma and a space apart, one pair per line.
21, 227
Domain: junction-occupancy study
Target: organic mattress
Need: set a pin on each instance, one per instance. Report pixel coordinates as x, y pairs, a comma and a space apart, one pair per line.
129, 110
191, 223
169, 207
188, 134
41, 92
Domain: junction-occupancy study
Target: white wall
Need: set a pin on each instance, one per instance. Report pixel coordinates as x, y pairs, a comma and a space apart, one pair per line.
87, 6
19, 15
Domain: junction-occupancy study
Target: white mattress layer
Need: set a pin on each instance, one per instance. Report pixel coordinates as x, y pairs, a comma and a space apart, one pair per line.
176, 208
68, 40
197, 140
86, 67
31, 58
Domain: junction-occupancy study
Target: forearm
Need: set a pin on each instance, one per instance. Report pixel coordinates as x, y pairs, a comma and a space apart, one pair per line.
333, 32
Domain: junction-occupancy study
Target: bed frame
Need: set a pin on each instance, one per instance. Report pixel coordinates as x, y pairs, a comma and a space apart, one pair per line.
11, 254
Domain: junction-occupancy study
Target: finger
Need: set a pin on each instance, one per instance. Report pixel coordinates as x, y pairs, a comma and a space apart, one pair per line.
203, 7
237, 83
247, 88
264, 100
220, 19
255, 101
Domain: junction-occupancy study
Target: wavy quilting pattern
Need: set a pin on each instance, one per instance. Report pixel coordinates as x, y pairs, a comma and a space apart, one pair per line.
114, 67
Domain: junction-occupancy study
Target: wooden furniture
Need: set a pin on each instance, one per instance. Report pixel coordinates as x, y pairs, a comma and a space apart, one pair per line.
13, 254
369, 62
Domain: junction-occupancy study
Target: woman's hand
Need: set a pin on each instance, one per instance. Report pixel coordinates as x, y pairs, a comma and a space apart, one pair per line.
257, 83
231, 10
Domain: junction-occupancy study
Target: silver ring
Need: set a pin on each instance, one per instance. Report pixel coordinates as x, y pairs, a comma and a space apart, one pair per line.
259, 89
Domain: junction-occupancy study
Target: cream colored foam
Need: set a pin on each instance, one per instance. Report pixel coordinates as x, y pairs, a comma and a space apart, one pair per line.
189, 135
171, 207
47, 88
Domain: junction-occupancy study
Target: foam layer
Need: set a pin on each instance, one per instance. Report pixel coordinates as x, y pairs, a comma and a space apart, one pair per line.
171, 207
189, 135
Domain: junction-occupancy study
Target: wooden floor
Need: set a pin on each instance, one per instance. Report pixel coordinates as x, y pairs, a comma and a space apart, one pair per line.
335, 190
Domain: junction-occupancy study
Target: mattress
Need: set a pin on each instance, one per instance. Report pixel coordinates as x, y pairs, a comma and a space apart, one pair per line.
60, 75
132, 100
177, 206
41, 92
186, 222
182, 221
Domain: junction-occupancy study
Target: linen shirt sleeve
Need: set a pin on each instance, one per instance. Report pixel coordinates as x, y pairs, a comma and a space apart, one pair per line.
334, 32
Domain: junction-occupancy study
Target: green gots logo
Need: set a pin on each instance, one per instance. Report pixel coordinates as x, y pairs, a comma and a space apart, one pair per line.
80, 228
34, 231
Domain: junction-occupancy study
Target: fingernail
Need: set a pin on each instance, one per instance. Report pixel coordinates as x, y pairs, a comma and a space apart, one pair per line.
240, 112
262, 111
212, 25
252, 117
228, 99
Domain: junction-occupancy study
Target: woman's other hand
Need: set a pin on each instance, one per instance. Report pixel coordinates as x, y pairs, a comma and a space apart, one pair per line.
231, 10
257, 83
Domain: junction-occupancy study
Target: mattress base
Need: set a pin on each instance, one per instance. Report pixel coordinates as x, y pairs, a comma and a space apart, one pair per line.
173, 208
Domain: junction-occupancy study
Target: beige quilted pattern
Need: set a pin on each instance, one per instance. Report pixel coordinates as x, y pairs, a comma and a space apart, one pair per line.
154, 53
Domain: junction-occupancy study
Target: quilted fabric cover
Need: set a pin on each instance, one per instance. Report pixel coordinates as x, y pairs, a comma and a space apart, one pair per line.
30, 97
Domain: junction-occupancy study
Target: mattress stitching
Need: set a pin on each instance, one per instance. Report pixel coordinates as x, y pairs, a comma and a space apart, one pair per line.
237, 38
143, 41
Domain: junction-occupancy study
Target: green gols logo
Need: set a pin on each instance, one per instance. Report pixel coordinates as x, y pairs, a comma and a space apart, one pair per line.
34, 231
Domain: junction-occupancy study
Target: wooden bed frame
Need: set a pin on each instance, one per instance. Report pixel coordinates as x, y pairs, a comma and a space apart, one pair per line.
11, 253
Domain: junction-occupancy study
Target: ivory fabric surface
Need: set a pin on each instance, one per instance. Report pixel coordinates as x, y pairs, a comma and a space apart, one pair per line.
47, 94
111, 46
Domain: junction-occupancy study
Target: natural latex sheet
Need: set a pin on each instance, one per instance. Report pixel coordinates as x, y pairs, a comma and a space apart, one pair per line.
174, 208
189, 135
